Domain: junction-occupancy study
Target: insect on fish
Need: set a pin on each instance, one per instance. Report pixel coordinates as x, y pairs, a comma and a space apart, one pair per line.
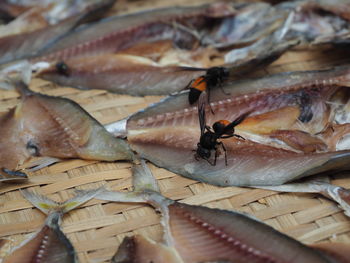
213, 78
221, 129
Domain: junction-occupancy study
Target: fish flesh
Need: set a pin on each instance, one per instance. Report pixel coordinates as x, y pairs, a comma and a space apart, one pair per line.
200, 234
31, 44
287, 127
120, 73
49, 244
42, 125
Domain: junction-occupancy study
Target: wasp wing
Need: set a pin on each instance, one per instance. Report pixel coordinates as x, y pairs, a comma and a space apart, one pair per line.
202, 101
236, 122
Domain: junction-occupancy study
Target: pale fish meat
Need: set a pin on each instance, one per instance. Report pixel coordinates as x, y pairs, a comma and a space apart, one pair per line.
49, 245
120, 73
286, 134
200, 234
42, 125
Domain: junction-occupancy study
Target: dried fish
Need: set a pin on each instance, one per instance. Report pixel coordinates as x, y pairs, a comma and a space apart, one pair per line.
294, 103
124, 74
114, 34
309, 22
320, 21
26, 22
31, 44
42, 125
200, 234
239, 24
49, 245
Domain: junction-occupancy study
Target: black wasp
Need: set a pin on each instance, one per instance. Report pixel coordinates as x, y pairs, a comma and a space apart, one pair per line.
213, 78
221, 129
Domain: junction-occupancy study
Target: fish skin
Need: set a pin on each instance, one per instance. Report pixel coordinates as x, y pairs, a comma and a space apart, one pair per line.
43, 125
202, 234
31, 44
122, 74
111, 34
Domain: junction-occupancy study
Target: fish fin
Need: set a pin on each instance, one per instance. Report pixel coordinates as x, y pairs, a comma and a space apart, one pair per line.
80, 198
146, 189
338, 194
43, 203
8, 176
19, 70
40, 163
47, 205
143, 179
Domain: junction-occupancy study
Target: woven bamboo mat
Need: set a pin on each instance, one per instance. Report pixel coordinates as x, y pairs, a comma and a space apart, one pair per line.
97, 228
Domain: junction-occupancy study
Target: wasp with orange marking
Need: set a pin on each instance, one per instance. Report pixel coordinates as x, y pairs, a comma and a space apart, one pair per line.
214, 77
221, 129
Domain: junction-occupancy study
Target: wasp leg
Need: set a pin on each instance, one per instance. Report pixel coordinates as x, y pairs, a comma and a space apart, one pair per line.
223, 91
224, 148
238, 136
188, 85
208, 97
226, 136
208, 128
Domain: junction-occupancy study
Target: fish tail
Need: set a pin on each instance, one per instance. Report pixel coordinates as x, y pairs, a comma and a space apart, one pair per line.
18, 71
49, 206
143, 179
146, 189
340, 195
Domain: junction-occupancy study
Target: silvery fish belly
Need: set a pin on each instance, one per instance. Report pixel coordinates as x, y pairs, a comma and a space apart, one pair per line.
297, 125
